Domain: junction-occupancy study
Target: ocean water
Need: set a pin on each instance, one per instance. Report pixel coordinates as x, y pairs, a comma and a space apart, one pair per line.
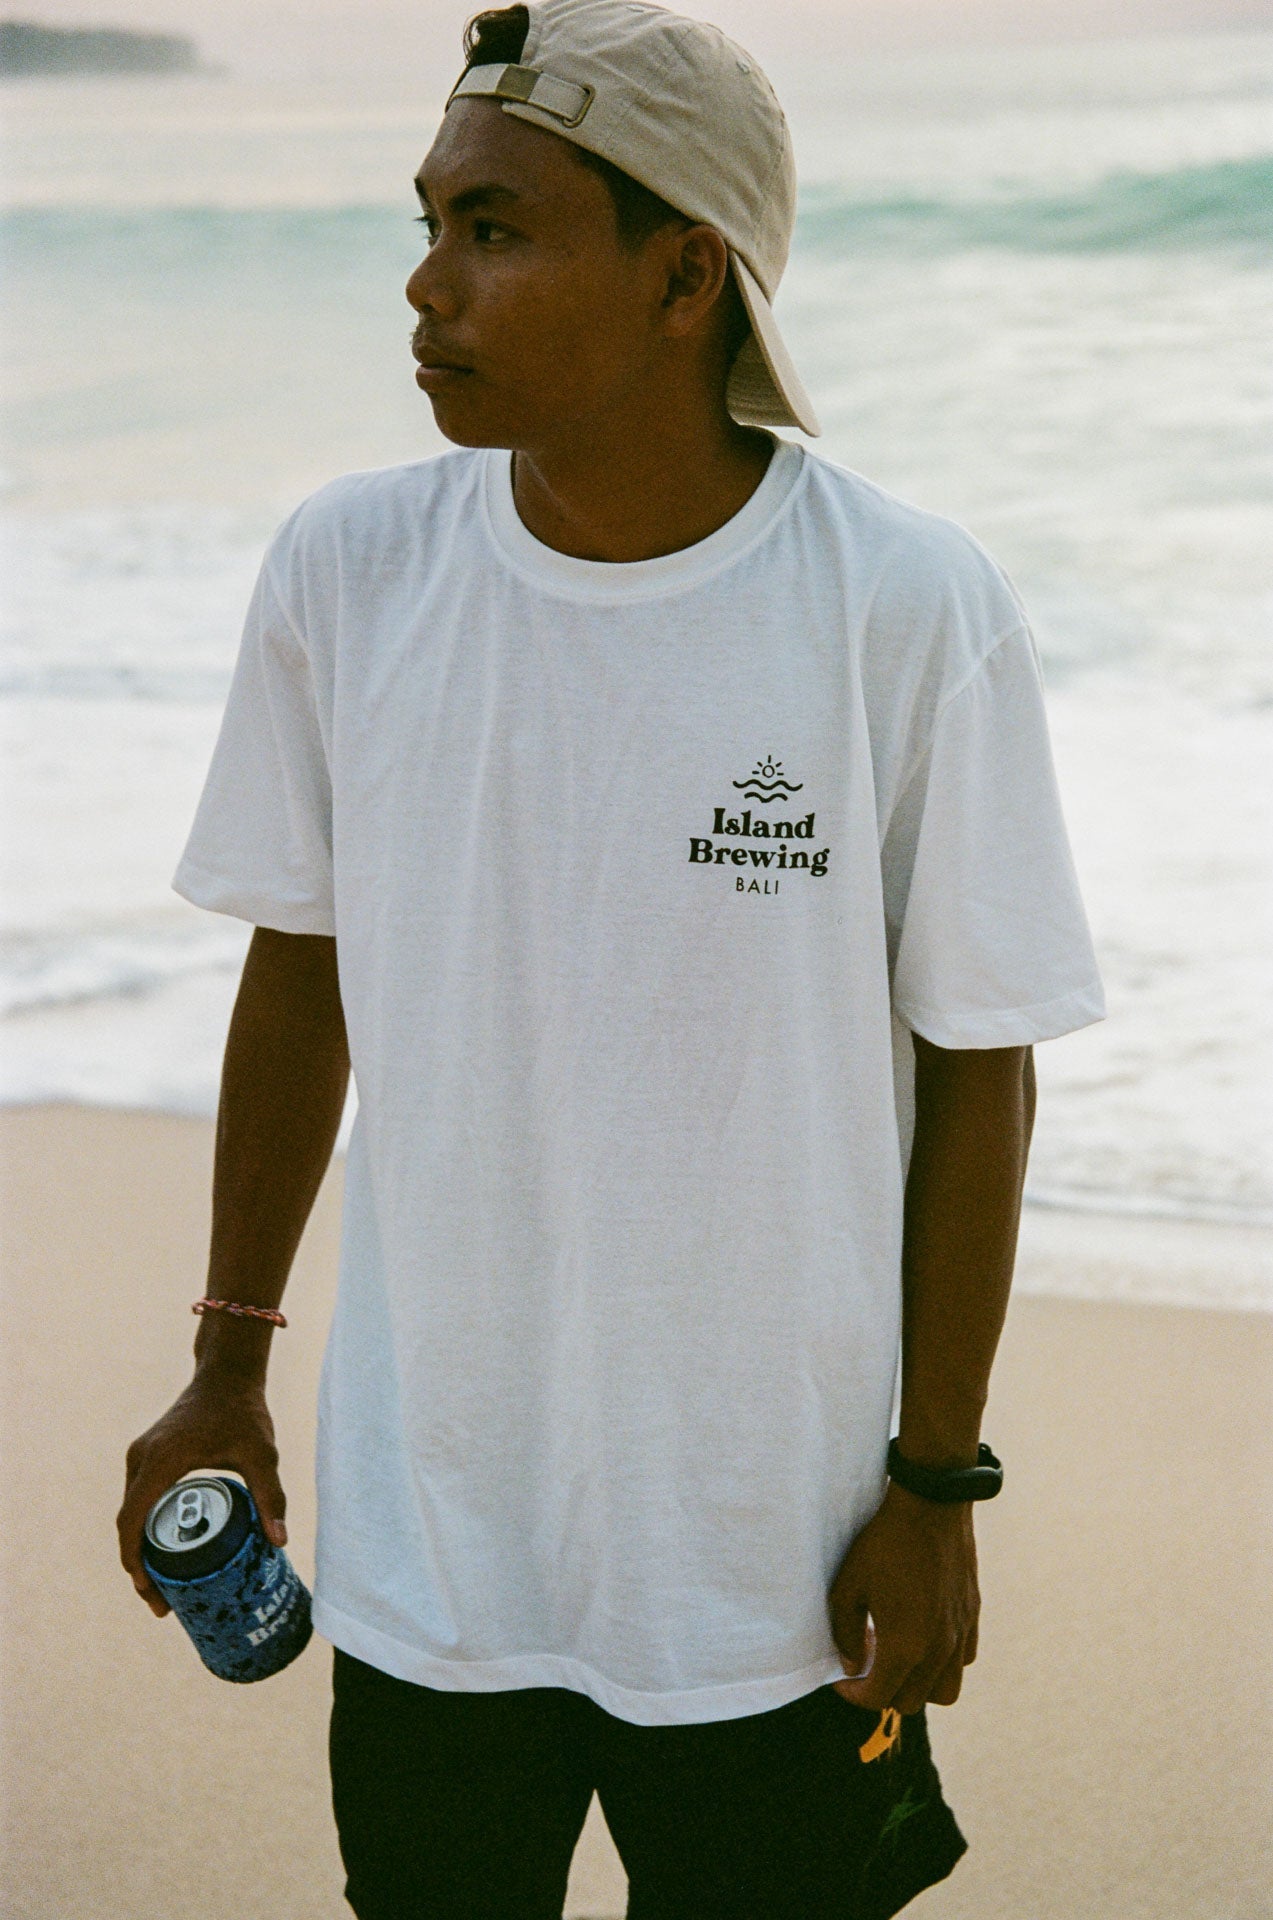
1030, 288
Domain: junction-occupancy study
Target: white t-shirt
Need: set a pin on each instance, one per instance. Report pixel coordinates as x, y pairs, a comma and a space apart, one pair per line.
639, 874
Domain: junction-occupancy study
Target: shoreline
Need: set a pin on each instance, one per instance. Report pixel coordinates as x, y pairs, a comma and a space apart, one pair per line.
1108, 1753
1126, 1248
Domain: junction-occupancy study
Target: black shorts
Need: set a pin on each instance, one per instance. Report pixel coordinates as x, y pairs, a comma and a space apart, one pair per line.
467, 1806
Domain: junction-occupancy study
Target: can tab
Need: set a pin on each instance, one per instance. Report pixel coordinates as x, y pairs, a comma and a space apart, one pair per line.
192, 1515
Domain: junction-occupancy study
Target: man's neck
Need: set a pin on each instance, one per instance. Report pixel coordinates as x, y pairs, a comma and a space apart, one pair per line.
635, 491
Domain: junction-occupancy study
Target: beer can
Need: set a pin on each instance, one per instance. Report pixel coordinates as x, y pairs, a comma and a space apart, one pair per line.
236, 1594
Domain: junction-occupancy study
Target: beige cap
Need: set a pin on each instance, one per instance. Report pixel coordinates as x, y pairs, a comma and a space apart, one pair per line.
685, 111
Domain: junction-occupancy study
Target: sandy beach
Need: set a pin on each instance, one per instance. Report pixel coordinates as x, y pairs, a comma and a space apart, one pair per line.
1112, 1755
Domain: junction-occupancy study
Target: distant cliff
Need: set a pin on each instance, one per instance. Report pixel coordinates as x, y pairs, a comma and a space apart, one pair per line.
28, 49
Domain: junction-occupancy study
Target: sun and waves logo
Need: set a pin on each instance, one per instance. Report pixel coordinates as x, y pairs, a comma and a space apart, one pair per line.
780, 852
767, 783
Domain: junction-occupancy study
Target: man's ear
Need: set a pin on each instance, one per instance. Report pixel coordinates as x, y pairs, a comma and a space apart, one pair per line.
697, 269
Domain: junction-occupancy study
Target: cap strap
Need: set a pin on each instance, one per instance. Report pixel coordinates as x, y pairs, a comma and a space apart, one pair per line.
565, 100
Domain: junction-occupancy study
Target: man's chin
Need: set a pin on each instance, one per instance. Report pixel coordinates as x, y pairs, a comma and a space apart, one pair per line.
467, 426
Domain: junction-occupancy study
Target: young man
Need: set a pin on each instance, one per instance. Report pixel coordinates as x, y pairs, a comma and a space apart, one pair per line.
666, 816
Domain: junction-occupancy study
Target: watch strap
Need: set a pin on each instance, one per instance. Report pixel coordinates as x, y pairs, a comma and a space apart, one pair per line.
948, 1485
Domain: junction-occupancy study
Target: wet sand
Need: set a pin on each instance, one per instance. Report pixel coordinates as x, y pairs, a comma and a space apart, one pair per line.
1111, 1757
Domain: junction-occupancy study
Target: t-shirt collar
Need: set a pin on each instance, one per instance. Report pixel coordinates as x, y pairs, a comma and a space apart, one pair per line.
616, 582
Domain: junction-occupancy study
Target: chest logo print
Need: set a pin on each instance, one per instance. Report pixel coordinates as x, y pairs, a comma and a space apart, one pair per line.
767, 783
779, 852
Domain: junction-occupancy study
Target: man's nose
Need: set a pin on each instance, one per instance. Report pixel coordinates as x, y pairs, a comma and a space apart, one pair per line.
429, 286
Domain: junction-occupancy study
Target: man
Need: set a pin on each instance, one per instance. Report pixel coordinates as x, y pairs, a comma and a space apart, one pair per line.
662, 820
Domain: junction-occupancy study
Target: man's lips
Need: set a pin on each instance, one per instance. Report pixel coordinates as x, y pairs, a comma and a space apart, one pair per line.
435, 365
439, 379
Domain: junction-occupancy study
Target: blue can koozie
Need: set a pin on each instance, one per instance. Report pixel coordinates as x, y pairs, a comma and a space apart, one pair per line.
236, 1594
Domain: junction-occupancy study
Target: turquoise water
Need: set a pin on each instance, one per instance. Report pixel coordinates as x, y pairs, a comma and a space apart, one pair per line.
1029, 290
1226, 205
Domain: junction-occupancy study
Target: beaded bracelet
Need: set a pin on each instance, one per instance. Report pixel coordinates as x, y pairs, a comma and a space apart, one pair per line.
236, 1307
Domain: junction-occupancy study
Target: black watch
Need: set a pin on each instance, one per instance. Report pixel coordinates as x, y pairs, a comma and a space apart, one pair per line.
948, 1484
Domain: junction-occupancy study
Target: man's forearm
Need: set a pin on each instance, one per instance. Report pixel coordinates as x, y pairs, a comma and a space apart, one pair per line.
974, 1112
282, 1092
283, 1089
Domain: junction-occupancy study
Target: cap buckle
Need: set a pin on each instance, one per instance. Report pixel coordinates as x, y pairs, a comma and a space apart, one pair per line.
564, 100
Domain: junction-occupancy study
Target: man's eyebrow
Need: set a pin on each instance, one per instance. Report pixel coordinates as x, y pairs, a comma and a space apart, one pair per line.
486, 194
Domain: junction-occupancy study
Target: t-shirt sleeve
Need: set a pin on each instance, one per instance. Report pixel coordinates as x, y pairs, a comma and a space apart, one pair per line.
989, 938
261, 844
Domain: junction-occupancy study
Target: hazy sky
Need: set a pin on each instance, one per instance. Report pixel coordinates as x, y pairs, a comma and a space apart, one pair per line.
380, 37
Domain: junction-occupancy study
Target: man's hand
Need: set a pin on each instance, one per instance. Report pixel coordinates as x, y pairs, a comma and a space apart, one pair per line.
913, 1568
221, 1420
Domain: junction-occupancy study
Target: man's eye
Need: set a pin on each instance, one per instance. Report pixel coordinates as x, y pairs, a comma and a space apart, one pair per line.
483, 230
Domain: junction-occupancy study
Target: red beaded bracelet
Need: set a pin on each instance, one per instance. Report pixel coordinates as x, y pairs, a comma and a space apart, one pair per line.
236, 1307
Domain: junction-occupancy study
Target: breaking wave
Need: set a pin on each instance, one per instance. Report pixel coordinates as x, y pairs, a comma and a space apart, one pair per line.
1226, 204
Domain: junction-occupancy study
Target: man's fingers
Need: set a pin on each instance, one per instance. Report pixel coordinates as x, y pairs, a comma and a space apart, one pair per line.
945, 1689
271, 1503
890, 1672
905, 1675
129, 1523
925, 1676
130, 1554
855, 1640
144, 1585
153, 1598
